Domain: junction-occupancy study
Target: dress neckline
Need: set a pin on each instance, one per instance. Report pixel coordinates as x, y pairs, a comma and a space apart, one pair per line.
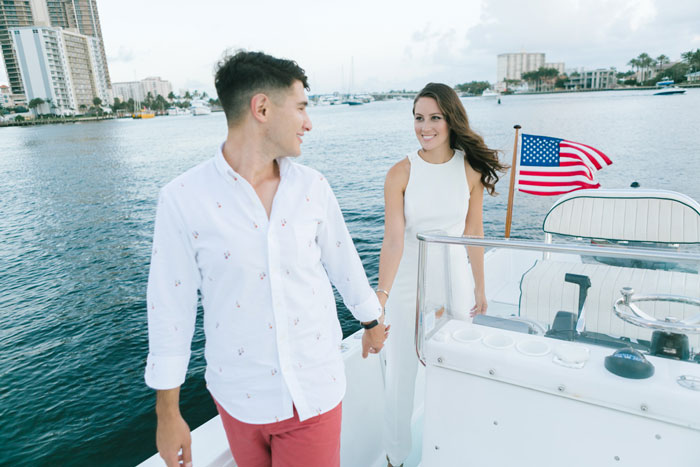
454, 153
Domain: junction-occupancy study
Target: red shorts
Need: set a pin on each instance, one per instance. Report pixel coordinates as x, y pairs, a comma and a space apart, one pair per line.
290, 443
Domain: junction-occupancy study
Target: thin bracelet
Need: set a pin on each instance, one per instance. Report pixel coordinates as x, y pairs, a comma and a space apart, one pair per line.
384, 292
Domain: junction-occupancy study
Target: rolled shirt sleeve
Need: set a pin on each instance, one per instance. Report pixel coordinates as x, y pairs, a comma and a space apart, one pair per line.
173, 282
343, 264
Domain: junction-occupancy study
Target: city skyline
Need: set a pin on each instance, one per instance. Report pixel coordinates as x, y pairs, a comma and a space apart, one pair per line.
375, 46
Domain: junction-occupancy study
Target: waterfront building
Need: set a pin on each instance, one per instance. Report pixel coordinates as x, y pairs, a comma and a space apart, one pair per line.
511, 66
60, 67
82, 16
138, 90
6, 96
128, 90
601, 78
156, 86
74, 16
14, 13
559, 66
693, 77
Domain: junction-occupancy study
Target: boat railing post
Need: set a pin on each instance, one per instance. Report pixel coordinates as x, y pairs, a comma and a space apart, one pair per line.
420, 298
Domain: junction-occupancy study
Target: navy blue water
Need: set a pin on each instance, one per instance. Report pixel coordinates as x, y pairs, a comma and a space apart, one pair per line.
76, 211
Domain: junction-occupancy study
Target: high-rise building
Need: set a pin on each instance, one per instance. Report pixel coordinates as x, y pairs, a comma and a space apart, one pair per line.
138, 90
82, 16
513, 65
128, 90
156, 86
72, 17
13, 13
59, 66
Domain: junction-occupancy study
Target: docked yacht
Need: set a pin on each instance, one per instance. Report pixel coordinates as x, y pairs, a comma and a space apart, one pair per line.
490, 94
199, 107
589, 354
176, 111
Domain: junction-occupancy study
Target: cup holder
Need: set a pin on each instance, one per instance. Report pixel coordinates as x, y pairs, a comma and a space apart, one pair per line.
533, 348
498, 341
468, 335
571, 355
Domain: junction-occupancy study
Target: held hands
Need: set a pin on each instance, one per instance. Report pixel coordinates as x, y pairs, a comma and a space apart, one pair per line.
173, 440
373, 339
480, 305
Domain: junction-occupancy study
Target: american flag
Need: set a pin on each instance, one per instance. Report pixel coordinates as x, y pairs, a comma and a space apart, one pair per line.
554, 166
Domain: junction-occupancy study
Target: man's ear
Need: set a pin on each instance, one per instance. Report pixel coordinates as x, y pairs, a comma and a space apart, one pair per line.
260, 107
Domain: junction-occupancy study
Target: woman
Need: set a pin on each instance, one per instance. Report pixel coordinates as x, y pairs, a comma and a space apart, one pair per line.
439, 187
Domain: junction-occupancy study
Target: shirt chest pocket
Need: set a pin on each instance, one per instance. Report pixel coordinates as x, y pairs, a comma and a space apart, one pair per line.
307, 250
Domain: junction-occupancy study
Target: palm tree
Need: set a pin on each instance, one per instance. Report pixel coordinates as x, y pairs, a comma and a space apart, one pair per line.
692, 58
52, 106
97, 102
34, 103
662, 60
634, 63
646, 63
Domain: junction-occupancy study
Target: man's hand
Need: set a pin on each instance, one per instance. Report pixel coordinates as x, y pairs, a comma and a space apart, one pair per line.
172, 435
373, 339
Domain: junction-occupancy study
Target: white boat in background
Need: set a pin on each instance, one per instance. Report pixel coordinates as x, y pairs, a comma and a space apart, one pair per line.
177, 111
588, 356
667, 87
199, 107
490, 94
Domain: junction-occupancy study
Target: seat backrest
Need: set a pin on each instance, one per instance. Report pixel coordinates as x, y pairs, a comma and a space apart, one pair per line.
626, 215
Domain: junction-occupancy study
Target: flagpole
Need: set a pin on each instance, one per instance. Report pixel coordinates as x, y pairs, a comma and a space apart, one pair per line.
509, 215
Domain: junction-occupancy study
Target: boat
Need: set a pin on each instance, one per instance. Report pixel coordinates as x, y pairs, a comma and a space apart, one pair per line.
667, 87
580, 360
490, 94
176, 111
141, 114
199, 107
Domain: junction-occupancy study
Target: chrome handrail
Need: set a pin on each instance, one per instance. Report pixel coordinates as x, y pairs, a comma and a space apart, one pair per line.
628, 252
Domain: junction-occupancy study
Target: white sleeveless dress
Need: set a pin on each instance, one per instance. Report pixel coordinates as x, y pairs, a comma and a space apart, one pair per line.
436, 198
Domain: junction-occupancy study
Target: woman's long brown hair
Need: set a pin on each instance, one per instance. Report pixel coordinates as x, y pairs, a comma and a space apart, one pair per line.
482, 159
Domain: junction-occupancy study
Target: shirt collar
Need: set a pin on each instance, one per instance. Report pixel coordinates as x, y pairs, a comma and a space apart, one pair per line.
224, 169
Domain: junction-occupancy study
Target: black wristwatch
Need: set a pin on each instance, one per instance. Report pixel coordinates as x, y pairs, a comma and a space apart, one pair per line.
370, 324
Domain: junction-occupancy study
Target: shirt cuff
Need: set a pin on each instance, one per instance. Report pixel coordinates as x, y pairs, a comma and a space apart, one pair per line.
166, 372
367, 310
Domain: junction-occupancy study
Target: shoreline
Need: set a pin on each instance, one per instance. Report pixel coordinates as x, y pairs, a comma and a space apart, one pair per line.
54, 121
573, 91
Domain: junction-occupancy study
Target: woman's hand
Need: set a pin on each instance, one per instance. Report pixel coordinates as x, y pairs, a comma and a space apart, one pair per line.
480, 304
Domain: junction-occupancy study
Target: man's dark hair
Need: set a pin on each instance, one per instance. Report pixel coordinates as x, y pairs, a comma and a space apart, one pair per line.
242, 75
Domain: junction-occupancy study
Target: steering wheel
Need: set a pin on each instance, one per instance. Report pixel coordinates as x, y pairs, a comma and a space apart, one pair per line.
626, 310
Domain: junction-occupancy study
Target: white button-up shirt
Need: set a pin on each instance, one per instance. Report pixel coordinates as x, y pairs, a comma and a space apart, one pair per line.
272, 331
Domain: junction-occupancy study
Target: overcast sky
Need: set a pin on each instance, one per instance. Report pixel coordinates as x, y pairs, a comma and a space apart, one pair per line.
381, 45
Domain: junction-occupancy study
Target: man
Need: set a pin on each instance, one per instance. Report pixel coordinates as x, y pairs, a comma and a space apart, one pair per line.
261, 238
